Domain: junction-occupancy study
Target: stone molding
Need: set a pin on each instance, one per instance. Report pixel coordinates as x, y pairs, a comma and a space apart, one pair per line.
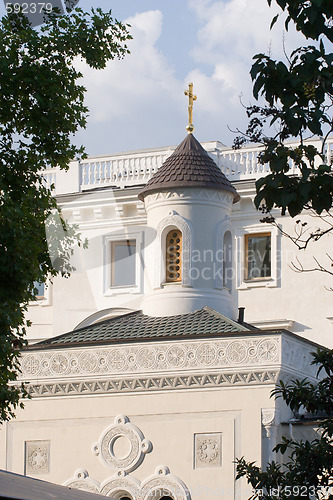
270, 421
154, 383
121, 484
220, 230
270, 416
166, 365
162, 482
157, 357
122, 428
203, 195
82, 481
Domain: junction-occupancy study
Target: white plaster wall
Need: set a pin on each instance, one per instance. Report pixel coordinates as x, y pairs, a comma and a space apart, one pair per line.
169, 420
202, 210
302, 299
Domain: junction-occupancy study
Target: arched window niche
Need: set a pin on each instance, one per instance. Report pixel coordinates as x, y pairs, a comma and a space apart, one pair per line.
224, 256
173, 256
227, 270
173, 251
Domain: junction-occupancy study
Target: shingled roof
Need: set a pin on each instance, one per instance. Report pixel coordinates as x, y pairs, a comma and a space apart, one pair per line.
137, 326
189, 166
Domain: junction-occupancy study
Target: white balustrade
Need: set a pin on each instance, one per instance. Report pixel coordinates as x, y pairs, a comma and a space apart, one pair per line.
50, 177
136, 168
120, 171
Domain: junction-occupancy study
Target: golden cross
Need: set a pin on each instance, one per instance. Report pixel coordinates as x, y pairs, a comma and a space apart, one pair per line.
191, 98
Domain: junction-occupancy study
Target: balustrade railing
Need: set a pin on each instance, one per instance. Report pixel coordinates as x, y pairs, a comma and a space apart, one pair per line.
50, 176
120, 170
136, 168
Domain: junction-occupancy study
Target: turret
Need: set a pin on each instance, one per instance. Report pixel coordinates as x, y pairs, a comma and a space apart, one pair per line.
189, 265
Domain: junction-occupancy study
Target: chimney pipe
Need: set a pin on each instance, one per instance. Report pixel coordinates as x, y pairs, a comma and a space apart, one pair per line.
241, 315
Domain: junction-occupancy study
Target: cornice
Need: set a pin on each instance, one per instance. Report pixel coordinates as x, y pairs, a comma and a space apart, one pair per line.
153, 383
166, 365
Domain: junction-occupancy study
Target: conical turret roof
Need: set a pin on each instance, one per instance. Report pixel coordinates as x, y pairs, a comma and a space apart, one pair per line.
189, 166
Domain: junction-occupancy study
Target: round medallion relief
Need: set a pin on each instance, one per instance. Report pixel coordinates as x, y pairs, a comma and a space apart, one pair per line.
267, 350
88, 361
108, 450
236, 352
59, 364
146, 358
31, 365
117, 359
206, 354
122, 445
176, 356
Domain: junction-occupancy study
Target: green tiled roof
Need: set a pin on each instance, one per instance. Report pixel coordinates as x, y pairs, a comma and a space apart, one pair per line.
138, 326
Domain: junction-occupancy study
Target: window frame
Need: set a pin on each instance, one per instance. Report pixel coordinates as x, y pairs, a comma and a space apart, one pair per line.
168, 259
257, 229
113, 244
43, 300
247, 236
109, 240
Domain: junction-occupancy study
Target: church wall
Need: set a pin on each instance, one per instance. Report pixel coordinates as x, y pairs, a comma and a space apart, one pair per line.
301, 298
172, 421
299, 302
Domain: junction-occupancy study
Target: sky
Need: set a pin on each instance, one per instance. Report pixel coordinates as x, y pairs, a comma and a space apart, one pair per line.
139, 102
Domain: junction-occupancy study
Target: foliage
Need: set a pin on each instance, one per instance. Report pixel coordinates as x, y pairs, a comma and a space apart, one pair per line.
298, 101
307, 471
41, 107
298, 96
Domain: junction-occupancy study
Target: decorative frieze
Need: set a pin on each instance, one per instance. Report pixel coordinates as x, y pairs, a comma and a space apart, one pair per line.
159, 357
121, 484
210, 196
153, 383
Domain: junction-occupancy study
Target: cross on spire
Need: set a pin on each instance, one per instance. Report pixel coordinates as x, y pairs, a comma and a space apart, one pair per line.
191, 98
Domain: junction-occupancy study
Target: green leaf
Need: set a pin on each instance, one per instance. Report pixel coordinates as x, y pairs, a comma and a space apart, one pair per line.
275, 18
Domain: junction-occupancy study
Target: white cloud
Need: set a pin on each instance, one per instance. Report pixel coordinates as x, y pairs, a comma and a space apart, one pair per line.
231, 32
139, 101
133, 94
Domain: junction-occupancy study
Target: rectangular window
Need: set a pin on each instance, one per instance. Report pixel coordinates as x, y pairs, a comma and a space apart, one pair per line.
40, 287
123, 263
257, 256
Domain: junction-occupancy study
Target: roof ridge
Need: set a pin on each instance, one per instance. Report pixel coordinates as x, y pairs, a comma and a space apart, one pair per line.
228, 320
135, 326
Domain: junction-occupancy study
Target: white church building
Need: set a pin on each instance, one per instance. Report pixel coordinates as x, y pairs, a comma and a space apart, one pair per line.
150, 369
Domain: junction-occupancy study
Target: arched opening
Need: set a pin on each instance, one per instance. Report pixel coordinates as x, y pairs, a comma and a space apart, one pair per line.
173, 255
121, 495
161, 494
227, 261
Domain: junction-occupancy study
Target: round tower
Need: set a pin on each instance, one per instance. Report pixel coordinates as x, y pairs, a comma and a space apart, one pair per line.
189, 265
